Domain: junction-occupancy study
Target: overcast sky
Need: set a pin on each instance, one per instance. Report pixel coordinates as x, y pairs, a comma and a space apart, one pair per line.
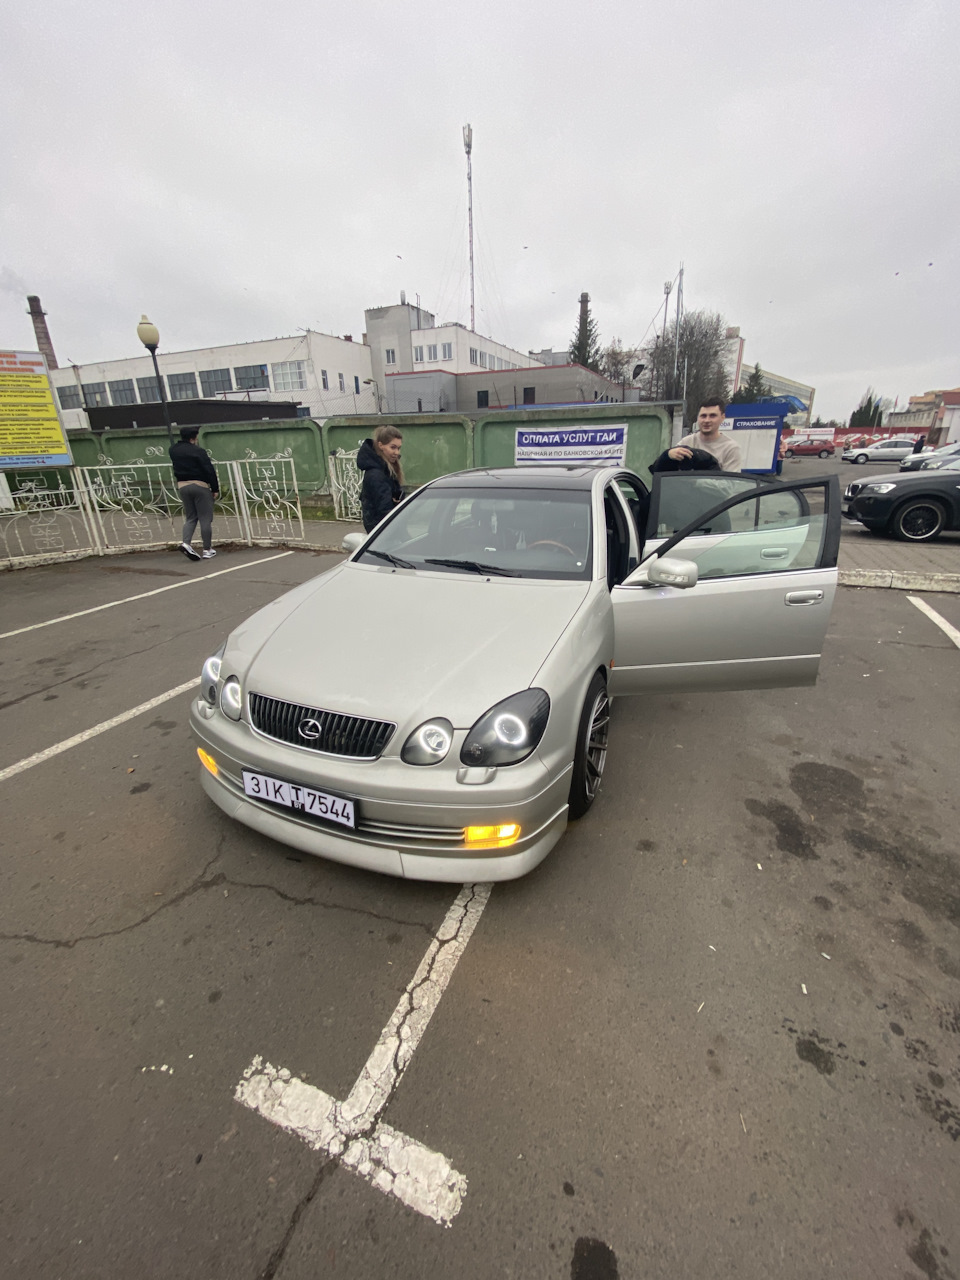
238, 171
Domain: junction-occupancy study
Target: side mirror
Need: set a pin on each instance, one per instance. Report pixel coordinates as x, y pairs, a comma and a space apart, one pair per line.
668, 572
352, 541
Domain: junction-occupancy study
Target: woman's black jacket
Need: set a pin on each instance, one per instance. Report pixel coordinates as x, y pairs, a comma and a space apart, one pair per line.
380, 490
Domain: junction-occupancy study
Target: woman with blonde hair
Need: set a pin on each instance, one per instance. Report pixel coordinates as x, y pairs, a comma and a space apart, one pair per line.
382, 487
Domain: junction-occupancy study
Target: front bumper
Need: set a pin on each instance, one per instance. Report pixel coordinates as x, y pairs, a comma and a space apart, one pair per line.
410, 820
872, 510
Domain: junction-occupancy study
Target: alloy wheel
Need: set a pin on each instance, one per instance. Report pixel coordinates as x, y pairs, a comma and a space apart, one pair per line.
597, 740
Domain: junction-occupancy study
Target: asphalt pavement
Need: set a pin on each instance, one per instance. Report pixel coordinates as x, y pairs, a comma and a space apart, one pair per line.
716, 1033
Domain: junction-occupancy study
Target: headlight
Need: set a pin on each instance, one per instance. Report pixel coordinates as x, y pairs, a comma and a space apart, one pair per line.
429, 743
879, 488
210, 677
231, 699
508, 732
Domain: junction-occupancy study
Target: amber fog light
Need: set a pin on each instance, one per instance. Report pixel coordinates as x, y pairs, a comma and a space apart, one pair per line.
208, 761
493, 837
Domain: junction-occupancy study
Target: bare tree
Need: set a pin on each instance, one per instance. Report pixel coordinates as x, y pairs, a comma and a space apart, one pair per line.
700, 359
617, 362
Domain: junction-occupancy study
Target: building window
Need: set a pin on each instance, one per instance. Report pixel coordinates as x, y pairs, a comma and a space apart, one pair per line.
183, 386
215, 381
474, 356
483, 399
390, 356
432, 353
69, 397
303, 411
448, 351
149, 390
356, 385
122, 392
324, 381
529, 395
418, 355
342, 385
252, 377
289, 375
95, 394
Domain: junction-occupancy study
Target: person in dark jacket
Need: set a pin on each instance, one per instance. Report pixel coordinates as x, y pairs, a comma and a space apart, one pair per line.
197, 481
382, 485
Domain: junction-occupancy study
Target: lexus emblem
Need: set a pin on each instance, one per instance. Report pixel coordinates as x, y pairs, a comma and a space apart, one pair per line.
309, 728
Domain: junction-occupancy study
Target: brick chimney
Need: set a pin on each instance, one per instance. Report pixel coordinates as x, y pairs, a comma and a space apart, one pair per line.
44, 344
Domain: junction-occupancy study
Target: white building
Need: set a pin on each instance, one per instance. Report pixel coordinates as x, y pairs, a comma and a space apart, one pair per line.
324, 374
407, 339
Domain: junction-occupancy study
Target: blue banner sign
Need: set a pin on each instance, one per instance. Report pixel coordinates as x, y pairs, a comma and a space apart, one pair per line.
571, 445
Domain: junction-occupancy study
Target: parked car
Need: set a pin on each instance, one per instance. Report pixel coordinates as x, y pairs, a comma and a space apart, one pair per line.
437, 705
914, 506
801, 447
891, 450
931, 459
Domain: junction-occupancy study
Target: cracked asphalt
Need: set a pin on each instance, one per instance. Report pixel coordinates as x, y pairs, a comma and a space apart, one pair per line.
716, 1033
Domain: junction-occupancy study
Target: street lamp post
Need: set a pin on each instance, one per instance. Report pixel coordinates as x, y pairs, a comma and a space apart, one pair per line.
368, 382
149, 335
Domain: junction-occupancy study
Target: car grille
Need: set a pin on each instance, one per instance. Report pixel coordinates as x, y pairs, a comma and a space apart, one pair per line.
316, 730
852, 490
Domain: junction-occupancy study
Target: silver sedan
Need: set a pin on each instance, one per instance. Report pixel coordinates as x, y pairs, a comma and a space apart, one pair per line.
437, 705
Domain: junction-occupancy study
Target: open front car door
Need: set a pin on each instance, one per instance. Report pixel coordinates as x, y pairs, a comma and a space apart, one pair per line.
735, 587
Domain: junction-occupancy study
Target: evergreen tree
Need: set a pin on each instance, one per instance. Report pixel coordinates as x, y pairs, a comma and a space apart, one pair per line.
869, 412
585, 345
753, 389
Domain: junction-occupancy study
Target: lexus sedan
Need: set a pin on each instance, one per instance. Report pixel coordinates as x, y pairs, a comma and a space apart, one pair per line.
892, 450
437, 705
914, 506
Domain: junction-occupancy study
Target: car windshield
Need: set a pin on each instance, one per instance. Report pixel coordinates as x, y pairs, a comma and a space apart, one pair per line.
952, 465
518, 533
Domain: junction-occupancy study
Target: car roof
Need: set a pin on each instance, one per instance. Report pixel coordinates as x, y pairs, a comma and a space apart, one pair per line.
542, 477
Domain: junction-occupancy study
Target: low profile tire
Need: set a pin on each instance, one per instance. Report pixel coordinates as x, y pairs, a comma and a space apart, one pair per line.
592, 736
824, 453
921, 520
861, 458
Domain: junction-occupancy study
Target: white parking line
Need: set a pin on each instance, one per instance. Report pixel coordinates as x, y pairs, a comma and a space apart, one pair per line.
40, 756
352, 1131
188, 582
950, 631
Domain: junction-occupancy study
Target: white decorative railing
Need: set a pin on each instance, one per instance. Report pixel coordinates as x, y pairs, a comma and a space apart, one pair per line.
109, 508
345, 483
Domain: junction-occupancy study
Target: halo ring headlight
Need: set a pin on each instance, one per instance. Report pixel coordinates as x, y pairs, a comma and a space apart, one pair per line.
429, 742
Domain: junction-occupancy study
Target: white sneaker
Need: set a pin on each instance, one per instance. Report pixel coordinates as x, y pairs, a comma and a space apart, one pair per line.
187, 550
208, 555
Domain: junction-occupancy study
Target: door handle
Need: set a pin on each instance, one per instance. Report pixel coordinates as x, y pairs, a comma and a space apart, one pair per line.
774, 553
803, 597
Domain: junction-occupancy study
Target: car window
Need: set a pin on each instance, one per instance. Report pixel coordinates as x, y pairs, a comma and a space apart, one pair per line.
775, 532
683, 495
527, 533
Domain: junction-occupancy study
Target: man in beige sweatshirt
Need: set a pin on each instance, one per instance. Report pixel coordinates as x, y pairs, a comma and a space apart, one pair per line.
709, 437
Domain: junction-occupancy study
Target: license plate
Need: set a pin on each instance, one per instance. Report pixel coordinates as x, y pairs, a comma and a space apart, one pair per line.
318, 804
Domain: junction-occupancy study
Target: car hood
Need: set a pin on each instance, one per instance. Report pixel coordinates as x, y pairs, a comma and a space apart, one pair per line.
402, 646
905, 478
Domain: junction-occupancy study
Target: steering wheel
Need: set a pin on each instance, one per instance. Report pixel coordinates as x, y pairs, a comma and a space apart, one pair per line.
548, 542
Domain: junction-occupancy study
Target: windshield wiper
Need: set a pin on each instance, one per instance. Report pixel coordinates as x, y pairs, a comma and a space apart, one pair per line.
475, 566
385, 555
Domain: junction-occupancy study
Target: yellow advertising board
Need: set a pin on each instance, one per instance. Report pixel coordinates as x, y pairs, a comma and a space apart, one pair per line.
31, 434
